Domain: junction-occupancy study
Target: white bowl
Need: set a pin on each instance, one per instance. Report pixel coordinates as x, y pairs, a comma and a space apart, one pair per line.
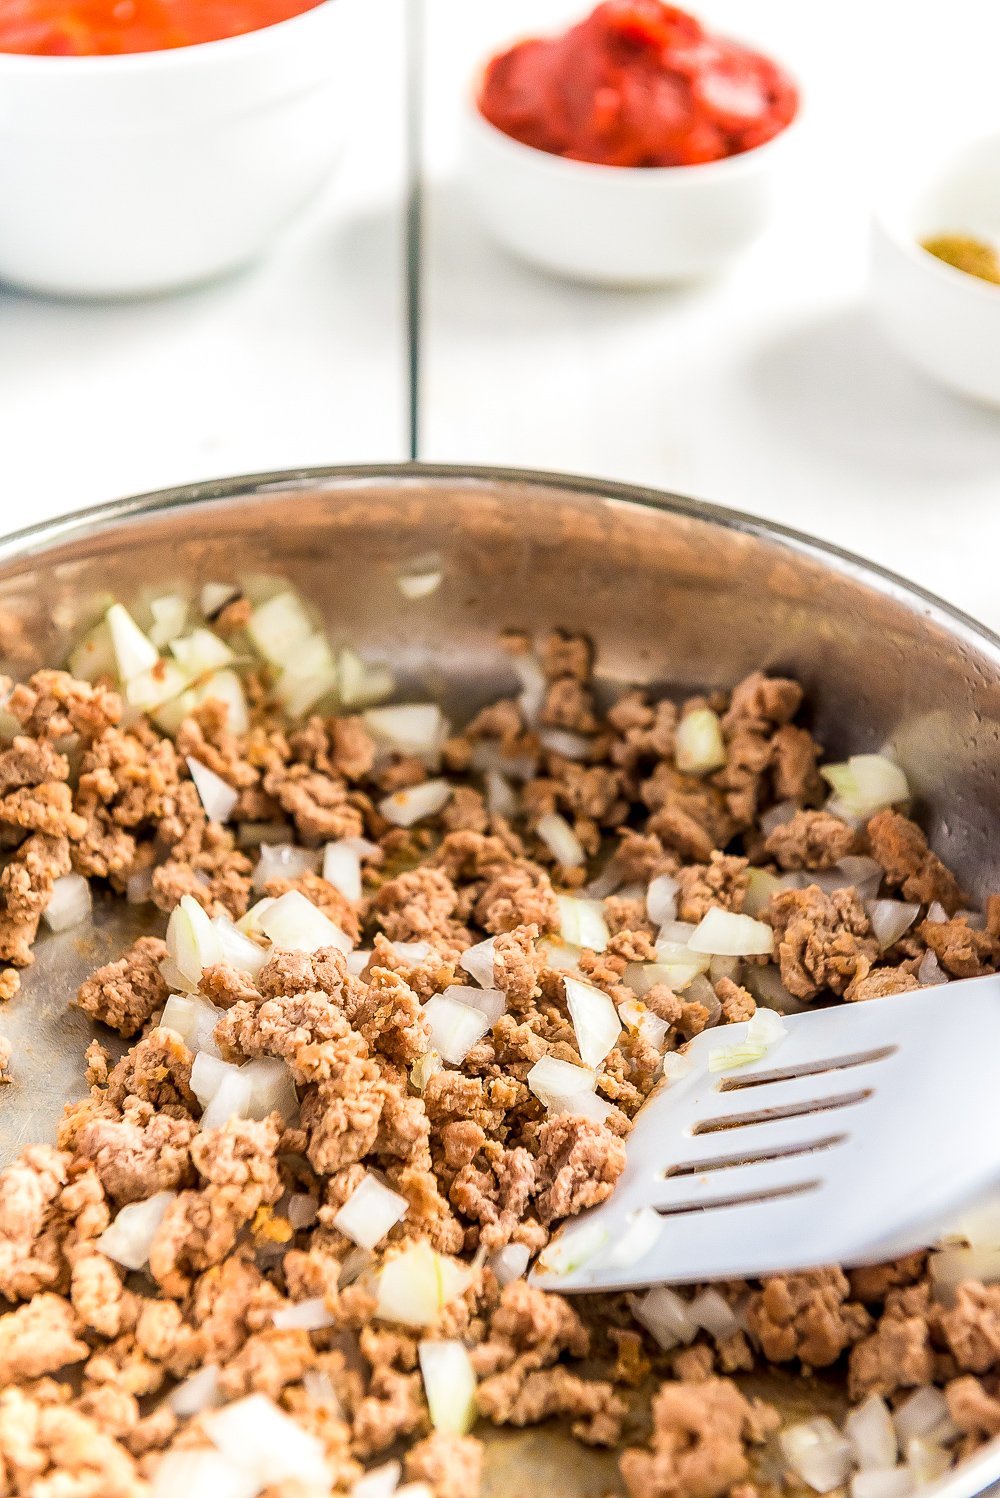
618, 226
946, 321
134, 174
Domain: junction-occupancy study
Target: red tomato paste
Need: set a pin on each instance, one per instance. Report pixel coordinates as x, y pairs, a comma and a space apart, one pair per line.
638, 83
90, 28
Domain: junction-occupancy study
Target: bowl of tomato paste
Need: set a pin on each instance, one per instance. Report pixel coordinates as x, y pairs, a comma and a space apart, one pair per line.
147, 145
634, 148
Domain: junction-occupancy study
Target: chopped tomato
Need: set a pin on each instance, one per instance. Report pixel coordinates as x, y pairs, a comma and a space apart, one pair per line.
87, 28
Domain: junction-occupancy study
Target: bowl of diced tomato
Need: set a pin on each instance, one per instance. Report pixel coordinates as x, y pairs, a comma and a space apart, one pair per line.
634, 148
151, 144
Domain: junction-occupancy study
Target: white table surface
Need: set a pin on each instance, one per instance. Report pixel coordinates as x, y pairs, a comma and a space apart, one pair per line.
769, 390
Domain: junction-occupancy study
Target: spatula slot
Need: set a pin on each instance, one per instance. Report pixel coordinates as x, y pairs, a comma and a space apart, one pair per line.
753, 1157
792, 1110
807, 1069
749, 1199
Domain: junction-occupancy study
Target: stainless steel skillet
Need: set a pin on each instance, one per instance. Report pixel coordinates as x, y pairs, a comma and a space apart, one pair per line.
676, 594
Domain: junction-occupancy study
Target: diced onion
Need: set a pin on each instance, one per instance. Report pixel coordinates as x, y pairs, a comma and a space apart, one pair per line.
413, 728
272, 1089
223, 1090
226, 687
358, 960
560, 839
279, 627
295, 925
69, 903
870, 1429
194, 1019
201, 652
582, 923
818, 1453
930, 972
129, 1237
661, 899
712, 1311
412, 951
423, 578
255, 1434
653, 1030
308, 677
924, 1415
370, 1212
199, 1392
282, 861
161, 684
304, 1315
865, 784
192, 941
698, 744
478, 962
214, 597
552, 1080
862, 873
489, 1001
763, 1030
767, 988
510, 1262
640, 1235
926, 1461
200, 1472
238, 951
449, 1384
135, 652
426, 1066
380, 1482
595, 1021
776, 816
414, 1287
454, 1028
666, 1315
725, 967
93, 658
676, 1065
876, 1482
355, 1264
890, 919
414, 802
533, 687
570, 745
676, 975
726, 934
360, 684
251, 921
574, 1247
559, 955
216, 795
501, 797
761, 885
583, 1105
342, 869
169, 618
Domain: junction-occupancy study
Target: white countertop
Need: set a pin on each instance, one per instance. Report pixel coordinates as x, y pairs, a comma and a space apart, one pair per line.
769, 390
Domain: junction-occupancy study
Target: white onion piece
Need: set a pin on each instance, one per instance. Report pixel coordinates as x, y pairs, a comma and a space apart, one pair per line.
574, 1247
272, 1088
358, 960
192, 941
251, 921
763, 1030
356, 1263
582, 923
510, 1262
129, 1237
678, 975
413, 728
426, 1066
713, 1312
226, 687
304, 1315
865, 784
380, 1482
698, 744
93, 658
552, 1080
700, 991
595, 1021
930, 972
478, 962
135, 652
666, 1315
778, 815
640, 1235
279, 628
501, 797
890, 919
222, 1090
676, 1065
296, 925
449, 1384
661, 899
870, 1429
761, 885
725, 934
169, 616
199, 1392
725, 967
139, 889
201, 652
559, 955
678, 933
412, 951
560, 741
282, 861
200, 1472
489, 1001
361, 684
818, 1453
424, 577
370, 1212
926, 1461
342, 869
151, 689
635, 1015
560, 839
924, 1415
533, 687
767, 988
238, 951
255, 1434
319, 1386
216, 795
214, 597
311, 676
862, 873
194, 1019
876, 1482
69, 903
414, 1287
454, 1028
608, 882
414, 802
582, 1105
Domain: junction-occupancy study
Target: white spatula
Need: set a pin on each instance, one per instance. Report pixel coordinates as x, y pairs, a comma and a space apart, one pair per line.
853, 1140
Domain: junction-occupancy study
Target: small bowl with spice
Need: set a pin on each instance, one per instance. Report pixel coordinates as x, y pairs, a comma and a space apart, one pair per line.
935, 270
634, 149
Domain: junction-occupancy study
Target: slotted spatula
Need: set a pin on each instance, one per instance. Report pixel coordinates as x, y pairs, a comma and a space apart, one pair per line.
853, 1140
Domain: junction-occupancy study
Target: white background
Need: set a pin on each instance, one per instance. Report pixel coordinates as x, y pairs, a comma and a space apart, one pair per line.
769, 390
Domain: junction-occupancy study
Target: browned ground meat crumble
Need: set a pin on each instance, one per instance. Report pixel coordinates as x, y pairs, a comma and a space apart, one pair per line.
89, 1353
